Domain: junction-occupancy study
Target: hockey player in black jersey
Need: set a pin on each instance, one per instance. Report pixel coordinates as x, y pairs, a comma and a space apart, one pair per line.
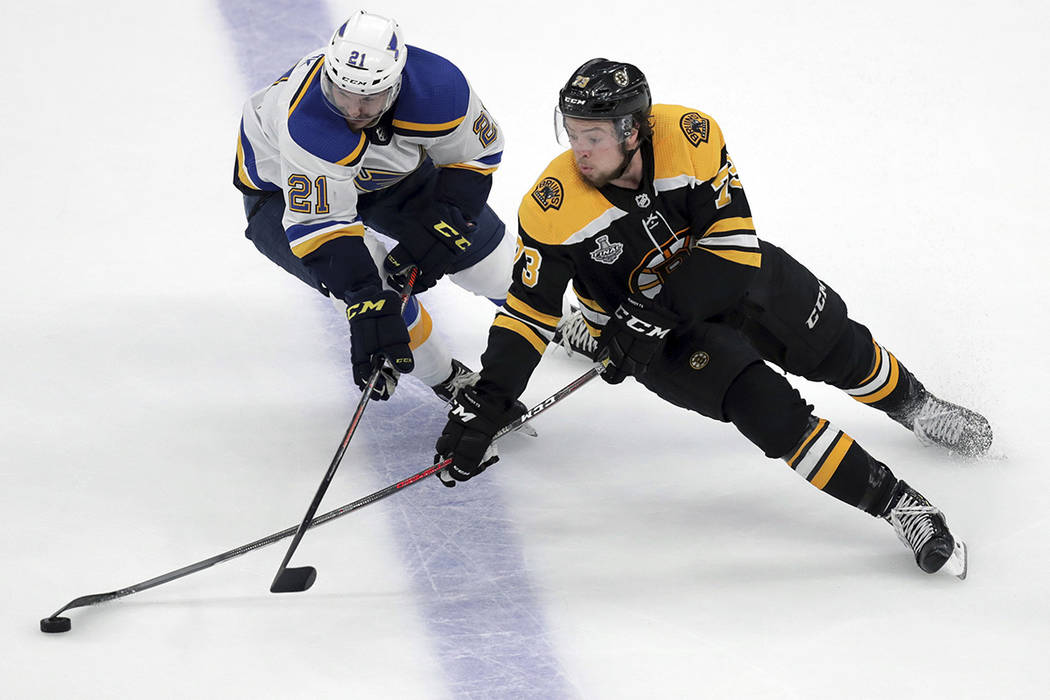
646, 217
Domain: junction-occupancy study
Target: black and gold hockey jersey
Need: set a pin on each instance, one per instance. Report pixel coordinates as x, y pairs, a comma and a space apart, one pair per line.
684, 239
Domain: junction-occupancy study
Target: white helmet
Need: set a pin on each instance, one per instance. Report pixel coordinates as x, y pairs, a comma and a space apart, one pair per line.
366, 54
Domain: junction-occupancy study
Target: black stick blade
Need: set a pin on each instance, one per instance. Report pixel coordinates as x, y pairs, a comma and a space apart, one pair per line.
53, 625
294, 580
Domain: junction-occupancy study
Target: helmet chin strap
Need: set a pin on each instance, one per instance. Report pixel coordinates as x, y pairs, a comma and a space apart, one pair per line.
627, 157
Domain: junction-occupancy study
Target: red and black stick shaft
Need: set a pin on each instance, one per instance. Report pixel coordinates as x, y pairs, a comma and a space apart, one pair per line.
54, 623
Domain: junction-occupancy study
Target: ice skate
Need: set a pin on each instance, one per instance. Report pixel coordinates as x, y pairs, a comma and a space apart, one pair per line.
923, 528
461, 377
572, 334
938, 422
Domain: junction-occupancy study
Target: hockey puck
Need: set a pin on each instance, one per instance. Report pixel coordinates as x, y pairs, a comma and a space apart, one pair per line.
53, 625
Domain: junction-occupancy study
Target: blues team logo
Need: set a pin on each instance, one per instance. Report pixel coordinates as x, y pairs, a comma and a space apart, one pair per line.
548, 193
695, 128
606, 253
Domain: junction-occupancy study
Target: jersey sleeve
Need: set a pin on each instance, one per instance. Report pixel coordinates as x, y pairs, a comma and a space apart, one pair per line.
439, 111
526, 323
721, 216
725, 252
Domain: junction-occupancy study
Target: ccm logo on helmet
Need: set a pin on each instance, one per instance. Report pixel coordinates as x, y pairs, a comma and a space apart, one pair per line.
637, 325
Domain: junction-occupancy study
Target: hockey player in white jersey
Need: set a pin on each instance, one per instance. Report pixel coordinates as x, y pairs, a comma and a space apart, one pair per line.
370, 132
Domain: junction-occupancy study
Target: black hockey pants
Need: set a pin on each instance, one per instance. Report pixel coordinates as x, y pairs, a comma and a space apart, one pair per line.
788, 317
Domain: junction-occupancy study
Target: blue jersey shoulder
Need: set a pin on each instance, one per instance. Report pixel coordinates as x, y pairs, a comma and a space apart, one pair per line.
318, 129
434, 96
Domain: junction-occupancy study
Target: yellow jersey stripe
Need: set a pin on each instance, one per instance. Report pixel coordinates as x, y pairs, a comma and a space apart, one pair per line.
301, 250
354, 154
827, 470
890, 385
420, 330
419, 126
242, 172
306, 84
736, 256
733, 223
522, 329
589, 303
526, 310
820, 425
463, 166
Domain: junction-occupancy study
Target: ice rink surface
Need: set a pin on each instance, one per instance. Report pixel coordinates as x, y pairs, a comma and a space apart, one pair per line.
168, 394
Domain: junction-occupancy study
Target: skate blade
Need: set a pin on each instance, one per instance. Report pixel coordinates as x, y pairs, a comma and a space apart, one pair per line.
957, 564
526, 429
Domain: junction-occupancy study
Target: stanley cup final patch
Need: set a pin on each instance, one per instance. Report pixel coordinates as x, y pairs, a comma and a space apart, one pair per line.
606, 253
695, 128
548, 193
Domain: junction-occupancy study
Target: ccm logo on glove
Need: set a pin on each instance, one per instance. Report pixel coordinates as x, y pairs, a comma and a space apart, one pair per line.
463, 414
637, 325
364, 307
448, 231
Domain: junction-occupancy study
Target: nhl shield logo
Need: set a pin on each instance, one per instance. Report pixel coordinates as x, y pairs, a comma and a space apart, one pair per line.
606, 253
642, 200
695, 128
548, 193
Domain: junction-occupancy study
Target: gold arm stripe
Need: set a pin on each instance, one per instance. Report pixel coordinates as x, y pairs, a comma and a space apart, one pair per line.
589, 303
419, 126
526, 310
306, 83
832, 462
354, 154
733, 223
522, 329
242, 172
809, 438
474, 168
420, 331
891, 384
736, 256
301, 250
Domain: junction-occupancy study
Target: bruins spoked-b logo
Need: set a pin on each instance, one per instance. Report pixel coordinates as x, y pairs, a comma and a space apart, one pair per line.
695, 128
548, 193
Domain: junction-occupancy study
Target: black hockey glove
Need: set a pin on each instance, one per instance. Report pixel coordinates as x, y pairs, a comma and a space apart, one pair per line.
442, 234
378, 332
633, 337
467, 437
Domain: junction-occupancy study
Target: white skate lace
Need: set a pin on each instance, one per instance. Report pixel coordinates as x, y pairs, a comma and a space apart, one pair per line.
913, 522
575, 337
460, 379
939, 422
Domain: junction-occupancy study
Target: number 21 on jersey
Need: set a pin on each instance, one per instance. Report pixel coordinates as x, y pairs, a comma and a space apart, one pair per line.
301, 192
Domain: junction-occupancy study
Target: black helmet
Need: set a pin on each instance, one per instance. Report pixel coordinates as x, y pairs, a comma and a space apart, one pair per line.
604, 89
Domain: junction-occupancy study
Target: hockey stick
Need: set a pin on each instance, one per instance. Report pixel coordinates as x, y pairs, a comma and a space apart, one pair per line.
54, 623
294, 579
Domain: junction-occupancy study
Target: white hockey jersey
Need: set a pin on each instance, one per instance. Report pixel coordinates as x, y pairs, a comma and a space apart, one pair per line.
291, 140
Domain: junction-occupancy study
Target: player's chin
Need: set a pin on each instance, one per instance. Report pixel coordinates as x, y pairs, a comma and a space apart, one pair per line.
594, 178
362, 124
